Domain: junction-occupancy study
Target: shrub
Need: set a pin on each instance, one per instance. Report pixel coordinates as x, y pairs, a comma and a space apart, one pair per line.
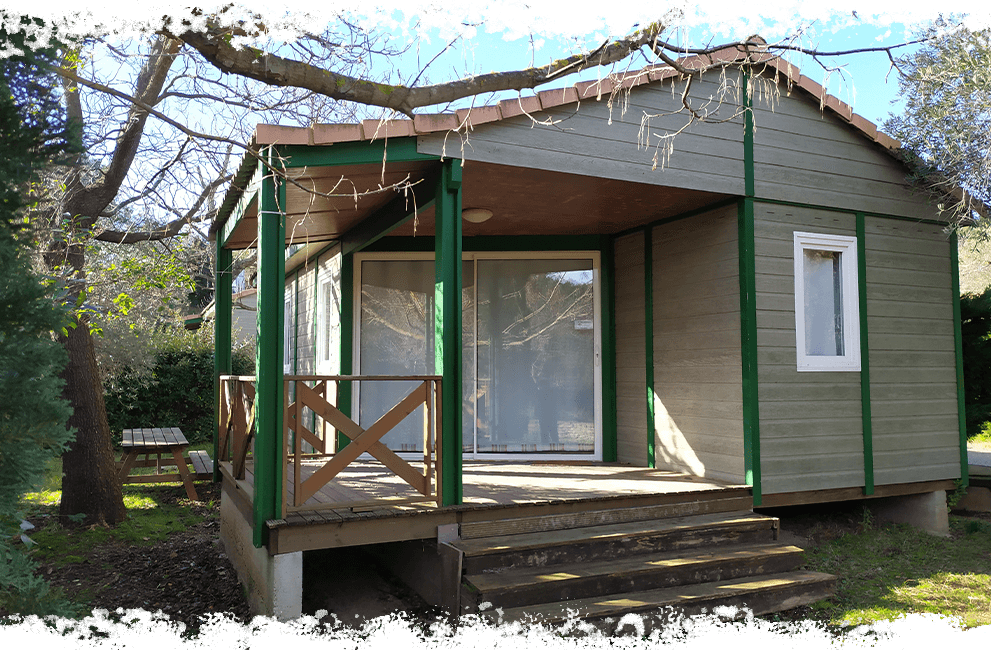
177, 391
975, 315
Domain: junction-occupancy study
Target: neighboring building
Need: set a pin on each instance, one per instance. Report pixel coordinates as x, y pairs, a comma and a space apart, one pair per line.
244, 306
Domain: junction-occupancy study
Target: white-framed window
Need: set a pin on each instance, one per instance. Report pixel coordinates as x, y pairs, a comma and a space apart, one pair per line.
827, 303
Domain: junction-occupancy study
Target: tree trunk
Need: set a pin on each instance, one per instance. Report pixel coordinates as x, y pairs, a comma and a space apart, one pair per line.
89, 483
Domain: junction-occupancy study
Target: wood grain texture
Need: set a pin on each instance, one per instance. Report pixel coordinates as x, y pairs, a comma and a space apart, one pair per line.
697, 364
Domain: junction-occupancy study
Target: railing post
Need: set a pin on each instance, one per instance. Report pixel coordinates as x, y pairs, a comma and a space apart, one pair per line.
297, 450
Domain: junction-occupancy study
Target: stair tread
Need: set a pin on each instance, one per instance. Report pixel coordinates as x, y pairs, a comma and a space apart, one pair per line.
681, 596
520, 577
692, 505
511, 543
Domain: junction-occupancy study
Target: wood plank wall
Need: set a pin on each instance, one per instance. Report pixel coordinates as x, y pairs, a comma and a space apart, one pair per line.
913, 363
803, 155
697, 362
631, 369
599, 138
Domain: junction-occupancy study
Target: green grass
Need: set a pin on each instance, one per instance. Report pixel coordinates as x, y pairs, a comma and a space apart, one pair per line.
150, 519
982, 438
887, 571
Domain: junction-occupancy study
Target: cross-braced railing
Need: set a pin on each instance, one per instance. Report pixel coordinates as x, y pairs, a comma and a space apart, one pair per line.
309, 454
237, 421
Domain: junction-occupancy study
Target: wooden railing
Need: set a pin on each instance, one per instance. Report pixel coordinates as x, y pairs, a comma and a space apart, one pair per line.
302, 446
237, 421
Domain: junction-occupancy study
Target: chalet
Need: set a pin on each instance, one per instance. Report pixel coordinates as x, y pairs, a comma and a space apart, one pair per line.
581, 327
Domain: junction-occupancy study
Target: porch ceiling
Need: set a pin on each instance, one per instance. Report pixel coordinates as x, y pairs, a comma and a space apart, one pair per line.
524, 202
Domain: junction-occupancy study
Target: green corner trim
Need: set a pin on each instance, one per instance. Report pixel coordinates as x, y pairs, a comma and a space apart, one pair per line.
865, 366
748, 348
648, 321
748, 137
958, 345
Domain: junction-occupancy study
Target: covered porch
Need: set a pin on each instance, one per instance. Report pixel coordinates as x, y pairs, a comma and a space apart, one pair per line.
291, 206
323, 482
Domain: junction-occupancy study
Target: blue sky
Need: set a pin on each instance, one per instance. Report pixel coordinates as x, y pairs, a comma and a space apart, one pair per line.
862, 80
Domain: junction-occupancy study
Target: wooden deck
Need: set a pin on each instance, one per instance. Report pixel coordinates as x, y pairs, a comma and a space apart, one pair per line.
492, 491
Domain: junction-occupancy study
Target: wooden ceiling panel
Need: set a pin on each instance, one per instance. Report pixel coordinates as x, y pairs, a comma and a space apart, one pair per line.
524, 202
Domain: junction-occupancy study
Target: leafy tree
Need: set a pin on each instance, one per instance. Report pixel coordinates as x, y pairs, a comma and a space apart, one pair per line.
32, 414
946, 86
975, 329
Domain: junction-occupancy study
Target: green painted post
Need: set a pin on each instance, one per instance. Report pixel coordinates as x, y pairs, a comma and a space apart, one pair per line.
447, 325
648, 320
748, 348
222, 306
958, 345
865, 366
748, 302
268, 357
347, 341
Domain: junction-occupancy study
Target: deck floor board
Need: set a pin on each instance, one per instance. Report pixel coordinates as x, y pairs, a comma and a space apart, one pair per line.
486, 484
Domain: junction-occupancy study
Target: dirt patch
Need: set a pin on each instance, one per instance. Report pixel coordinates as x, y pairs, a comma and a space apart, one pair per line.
186, 576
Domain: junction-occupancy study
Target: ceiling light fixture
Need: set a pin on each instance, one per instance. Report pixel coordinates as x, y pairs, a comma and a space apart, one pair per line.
476, 215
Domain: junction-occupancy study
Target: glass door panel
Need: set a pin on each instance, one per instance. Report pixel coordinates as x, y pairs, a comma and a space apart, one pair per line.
535, 357
397, 303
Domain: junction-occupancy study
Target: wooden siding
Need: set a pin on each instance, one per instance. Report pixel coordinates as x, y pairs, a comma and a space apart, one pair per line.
631, 369
306, 317
804, 155
811, 433
599, 138
913, 376
697, 364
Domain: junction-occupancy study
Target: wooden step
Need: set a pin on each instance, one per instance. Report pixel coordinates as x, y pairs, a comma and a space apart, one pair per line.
531, 585
615, 540
693, 505
761, 594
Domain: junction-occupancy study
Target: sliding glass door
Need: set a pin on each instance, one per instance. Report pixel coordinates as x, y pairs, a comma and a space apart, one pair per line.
530, 337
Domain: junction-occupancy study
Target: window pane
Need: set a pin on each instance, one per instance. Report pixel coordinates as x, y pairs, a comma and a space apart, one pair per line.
823, 304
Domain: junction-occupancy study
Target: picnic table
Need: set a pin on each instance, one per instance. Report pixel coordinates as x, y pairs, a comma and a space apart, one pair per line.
168, 446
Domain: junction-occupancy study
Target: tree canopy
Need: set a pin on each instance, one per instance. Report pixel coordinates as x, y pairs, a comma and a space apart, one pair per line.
946, 123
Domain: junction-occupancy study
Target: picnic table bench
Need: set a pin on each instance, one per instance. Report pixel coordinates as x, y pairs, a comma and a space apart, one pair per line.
162, 447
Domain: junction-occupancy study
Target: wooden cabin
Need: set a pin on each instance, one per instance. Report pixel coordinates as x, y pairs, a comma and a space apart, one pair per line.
579, 309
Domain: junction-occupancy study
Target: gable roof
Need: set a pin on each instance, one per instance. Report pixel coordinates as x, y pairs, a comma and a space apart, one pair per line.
465, 120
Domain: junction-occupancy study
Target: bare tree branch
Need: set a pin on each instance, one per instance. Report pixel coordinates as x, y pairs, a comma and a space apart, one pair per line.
276, 70
170, 229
